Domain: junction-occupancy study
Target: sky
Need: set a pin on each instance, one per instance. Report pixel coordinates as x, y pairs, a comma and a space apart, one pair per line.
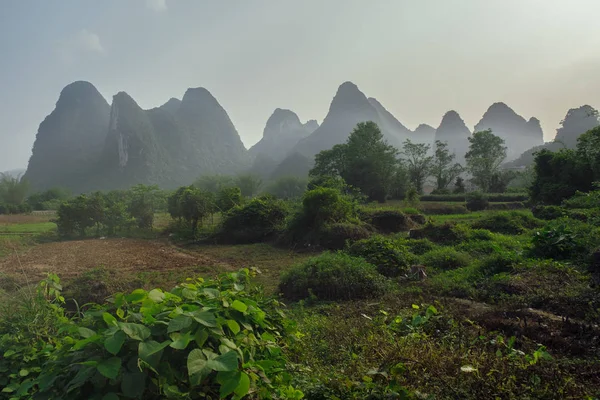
419, 58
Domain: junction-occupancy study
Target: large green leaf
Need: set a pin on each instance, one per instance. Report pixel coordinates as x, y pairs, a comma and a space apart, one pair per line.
86, 333
200, 337
109, 319
229, 381
206, 318
239, 306
150, 348
244, 386
181, 340
110, 368
198, 367
133, 384
114, 343
234, 326
135, 331
156, 296
225, 362
136, 296
179, 323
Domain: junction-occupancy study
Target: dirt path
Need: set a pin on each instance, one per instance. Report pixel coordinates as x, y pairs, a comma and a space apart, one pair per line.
121, 257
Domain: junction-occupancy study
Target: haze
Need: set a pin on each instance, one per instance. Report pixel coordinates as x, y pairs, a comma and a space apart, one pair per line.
419, 58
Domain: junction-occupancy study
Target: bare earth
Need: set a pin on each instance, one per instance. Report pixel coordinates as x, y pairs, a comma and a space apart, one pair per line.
123, 258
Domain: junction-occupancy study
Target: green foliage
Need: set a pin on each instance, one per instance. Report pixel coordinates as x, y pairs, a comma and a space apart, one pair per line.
418, 164
391, 258
446, 234
417, 246
507, 222
476, 201
338, 235
365, 162
287, 187
332, 276
459, 186
486, 153
583, 200
49, 199
13, 191
76, 216
204, 339
325, 205
412, 197
214, 183
386, 221
144, 201
445, 258
492, 197
227, 198
443, 168
548, 212
257, 221
565, 239
192, 205
249, 184
500, 261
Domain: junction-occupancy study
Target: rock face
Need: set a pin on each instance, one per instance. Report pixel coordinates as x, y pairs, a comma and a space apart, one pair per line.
85, 144
70, 140
453, 131
282, 132
577, 122
424, 134
349, 107
518, 133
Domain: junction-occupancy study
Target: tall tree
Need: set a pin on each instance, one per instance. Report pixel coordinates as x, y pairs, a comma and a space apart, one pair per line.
249, 184
418, 163
486, 153
365, 161
13, 190
443, 168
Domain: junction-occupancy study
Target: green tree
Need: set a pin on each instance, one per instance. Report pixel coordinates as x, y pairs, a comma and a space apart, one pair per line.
459, 186
13, 190
143, 203
365, 161
484, 158
249, 184
227, 198
214, 183
443, 167
418, 163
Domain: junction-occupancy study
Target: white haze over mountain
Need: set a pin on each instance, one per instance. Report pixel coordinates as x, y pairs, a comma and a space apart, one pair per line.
418, 59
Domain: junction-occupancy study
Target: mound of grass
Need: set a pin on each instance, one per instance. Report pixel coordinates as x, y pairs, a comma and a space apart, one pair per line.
333, 276
447, 233
387, 221
258, 221
390, 258
548, 212
417, 246
508, 222
445, 258
500, 261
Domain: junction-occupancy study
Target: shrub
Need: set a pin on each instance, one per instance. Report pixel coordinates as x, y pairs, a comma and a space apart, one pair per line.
228, 197
337, 236
480, 234
326, 205
479, 248
498, 262
417, 246
564, 239
257, 221
443, 209
447, 233
548, 212
445, 258
477, 201
333, 276
387, 221
151, 345
507, 222
390, 258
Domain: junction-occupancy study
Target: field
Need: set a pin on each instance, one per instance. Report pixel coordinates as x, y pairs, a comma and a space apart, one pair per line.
527, 329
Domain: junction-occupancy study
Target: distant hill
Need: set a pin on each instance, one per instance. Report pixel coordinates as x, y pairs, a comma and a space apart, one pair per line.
453, 131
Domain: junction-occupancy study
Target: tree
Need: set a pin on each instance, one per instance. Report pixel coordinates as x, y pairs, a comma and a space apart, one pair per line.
288, 187
486, 154
192, 205
365, 161
459, 186
144, 200
443, 168
249, 184
418, 163
13, 190
214, 183
227, 198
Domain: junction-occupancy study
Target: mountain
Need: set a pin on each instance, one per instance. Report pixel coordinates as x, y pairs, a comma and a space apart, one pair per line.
453, 131
577, 122
70, 139
282, 132
517, 132
85, 144
424, 134
294, 165
349, 107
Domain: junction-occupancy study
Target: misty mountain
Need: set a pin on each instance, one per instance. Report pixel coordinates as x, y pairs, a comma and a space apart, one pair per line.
70, 140
517, 132
85, 144
453, 131
577, 122
424, 134
282, 132
294, 165
395, 132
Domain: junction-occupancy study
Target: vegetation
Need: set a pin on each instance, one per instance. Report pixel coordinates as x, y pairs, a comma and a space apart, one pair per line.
418, 163
484, 158
444, 169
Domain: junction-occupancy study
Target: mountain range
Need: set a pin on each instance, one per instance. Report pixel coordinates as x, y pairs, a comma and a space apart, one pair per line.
88, 144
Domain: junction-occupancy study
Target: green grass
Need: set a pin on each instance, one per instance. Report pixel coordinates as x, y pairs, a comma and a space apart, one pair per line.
40, 227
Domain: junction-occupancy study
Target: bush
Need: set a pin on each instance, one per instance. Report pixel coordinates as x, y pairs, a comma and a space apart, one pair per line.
548, 212
387, 221
477, 201
508, 222
502, 261
447, 233
479, 248
390, 258
326, 205
564, 239
445, 258
337, 236
257, 221
333, 276
492, 197
417, 246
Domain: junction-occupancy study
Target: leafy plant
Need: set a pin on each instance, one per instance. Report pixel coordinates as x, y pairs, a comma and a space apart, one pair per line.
445, 258
390, 258
477, 201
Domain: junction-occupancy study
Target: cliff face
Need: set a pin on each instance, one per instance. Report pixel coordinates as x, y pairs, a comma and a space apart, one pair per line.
518, 133
453, 131
70, 139
85, 144
282, 132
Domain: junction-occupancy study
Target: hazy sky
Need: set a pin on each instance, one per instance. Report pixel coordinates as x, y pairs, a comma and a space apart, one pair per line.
419, 58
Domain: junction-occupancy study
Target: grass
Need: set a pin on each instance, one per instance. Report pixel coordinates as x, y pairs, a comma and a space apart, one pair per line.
34, 228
